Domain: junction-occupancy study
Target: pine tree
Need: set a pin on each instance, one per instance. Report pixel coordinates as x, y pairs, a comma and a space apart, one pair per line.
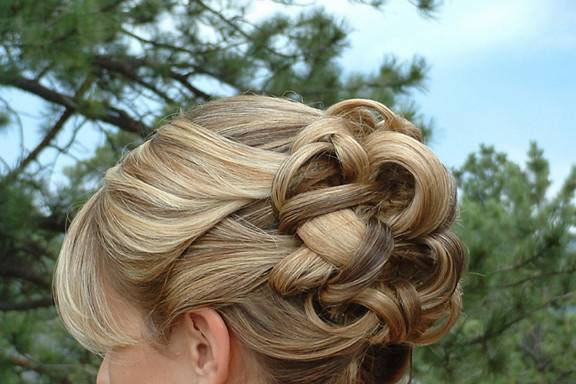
121, 67
519, 318
115, 66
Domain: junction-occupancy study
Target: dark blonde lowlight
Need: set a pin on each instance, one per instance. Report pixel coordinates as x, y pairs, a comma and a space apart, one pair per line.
323, 238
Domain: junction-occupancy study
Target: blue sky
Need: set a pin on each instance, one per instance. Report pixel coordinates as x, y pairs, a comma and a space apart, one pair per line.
502, 73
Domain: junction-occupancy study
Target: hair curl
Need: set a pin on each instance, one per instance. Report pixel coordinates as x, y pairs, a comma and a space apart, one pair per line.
321, 236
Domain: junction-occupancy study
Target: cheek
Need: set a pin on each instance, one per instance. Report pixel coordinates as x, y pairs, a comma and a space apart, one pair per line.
140, 365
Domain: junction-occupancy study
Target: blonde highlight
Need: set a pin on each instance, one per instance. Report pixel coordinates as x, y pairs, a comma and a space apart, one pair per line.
322, 237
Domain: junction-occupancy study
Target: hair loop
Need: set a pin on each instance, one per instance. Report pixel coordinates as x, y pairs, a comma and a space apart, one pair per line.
321, 237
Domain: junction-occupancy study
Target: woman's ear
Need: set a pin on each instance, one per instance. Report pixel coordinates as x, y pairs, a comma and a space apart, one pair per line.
209, 343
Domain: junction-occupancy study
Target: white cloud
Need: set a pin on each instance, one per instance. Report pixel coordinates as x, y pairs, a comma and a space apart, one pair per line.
463, 30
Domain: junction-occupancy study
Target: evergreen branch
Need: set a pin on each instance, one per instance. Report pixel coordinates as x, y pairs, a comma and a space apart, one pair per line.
27, 305
51, 134
68, 33
17, 271
565, 374
238, 29
536, 277
488, 335
135, 62
55, 222
184, 81
109, 64
28, 363
175, 48
540, 253
110, 115
66, 148
518, 265
531, 345
19, 124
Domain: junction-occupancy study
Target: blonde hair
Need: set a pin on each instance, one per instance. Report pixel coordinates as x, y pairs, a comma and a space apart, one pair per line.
322, 237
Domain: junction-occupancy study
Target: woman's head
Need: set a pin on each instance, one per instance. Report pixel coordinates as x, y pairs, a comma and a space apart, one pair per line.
320, 239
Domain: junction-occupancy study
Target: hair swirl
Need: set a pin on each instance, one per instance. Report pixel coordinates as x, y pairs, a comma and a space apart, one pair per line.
322, 237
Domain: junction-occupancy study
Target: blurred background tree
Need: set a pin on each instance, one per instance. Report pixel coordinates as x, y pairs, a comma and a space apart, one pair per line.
121, 67
519, 317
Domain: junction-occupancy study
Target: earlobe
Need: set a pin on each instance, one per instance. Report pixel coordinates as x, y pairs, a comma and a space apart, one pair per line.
210, 345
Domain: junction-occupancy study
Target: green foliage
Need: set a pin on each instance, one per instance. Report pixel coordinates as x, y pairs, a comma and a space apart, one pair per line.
519, 291
123, 68
4, 120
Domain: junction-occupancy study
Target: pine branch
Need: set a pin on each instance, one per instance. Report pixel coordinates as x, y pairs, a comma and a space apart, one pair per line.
28, 363
110, 115
536, 277
488, 335
124, 69
532, 347
55, 222
27, 305
17, 271
238, 29
51, 134
184, 81
175, 48
131, 62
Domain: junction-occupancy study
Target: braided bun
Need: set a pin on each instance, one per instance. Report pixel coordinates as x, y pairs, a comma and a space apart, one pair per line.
353, 246
322, 238
377, 261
